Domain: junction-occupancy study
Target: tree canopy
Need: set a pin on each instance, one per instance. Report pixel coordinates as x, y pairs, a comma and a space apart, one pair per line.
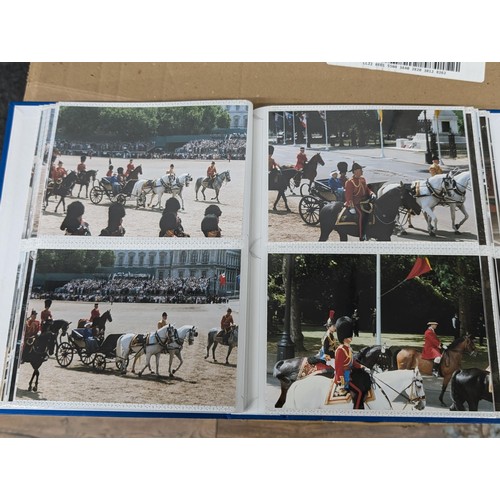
73, 261
96, 124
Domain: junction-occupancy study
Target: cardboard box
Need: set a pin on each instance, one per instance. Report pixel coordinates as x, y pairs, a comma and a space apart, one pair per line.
262, 83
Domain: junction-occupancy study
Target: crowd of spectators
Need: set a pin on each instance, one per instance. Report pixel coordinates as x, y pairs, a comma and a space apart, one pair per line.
134, 289
232, 146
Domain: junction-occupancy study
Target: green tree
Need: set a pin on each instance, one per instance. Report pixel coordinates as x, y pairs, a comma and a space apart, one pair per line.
73, 261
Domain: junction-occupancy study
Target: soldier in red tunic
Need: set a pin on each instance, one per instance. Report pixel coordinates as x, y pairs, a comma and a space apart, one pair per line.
225, 323
432, 347
301, 159
345, 362
356, 192
32, 330
46, 315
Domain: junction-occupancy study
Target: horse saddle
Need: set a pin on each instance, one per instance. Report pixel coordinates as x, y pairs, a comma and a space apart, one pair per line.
336, 395
346, 218
317, 367
139, 340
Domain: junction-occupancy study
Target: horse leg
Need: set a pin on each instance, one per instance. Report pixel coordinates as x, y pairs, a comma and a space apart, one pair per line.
461, 207
37, 374
146, 365
228, 353
181, 361
157, 355
203, 192
31, 380
208, 348
213, 351
285, 385
446, 379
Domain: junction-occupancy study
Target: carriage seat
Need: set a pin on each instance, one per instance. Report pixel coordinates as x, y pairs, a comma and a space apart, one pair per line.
106, 183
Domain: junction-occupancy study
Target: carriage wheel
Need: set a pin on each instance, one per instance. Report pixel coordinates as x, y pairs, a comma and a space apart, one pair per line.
305, 189
87, 359
64, 354
121, 364
99, 362
309, 208
96, 195
121, 199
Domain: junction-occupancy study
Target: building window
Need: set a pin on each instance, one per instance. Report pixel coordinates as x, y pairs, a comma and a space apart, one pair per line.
151, 259
205, 257
181, 273
192, 273
194, 257
119, 262
236, 121
183, 258
141, 259
162, 258
446, 127
131, 257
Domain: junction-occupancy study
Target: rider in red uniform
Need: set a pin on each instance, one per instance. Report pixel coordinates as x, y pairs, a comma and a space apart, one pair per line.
432, 347
301, 159
345, 362
356, 192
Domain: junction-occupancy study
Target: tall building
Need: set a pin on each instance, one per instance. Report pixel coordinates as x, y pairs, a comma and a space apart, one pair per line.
239, 116
160, 264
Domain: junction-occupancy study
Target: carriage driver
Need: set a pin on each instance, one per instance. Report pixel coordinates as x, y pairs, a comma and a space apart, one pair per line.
432, 347
225, 323
163, 321
356, 193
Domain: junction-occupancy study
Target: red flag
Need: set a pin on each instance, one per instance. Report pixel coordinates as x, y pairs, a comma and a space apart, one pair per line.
421, 266
222, 279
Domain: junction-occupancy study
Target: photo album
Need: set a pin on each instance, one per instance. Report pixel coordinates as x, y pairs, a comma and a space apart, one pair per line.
286, 262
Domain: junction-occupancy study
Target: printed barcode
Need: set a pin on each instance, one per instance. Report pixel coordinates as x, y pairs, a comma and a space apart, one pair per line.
441, 66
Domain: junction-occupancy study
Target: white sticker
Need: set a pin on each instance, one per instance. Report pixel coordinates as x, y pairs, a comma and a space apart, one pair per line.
466, 71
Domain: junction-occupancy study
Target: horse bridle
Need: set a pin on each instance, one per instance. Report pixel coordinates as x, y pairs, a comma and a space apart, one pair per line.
409, 399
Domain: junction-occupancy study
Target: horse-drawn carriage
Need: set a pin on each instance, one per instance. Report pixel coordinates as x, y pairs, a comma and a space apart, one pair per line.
319, 195
92, 351
105, 188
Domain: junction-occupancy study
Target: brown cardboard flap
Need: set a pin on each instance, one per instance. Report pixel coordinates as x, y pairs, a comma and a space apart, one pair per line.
262, 83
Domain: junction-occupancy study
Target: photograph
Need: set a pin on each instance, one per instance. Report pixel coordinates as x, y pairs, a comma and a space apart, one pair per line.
145, 171
150, 327
369, 174
388, 333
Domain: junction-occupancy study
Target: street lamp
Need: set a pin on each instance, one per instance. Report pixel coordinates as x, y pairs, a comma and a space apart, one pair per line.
428, 153
286, 347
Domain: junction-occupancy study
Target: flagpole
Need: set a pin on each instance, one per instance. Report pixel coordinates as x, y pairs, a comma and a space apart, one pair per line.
284, 128
326, 133
378, 301
293, 123
436, 116
380, 119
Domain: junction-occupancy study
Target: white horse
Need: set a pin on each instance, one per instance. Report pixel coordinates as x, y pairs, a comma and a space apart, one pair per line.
160, 186
216, 184
213, 339
166, 339
312, 392
443, 189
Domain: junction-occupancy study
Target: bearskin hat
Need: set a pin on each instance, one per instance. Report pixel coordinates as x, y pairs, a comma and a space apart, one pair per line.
344, 328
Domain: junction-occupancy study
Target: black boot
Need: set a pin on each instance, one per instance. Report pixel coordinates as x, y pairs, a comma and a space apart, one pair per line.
435, 369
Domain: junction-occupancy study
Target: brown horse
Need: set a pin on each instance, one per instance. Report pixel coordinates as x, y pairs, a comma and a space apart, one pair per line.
451, 360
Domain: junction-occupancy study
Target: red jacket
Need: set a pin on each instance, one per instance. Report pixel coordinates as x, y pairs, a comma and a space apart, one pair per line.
344, 361
432, 345
356, 191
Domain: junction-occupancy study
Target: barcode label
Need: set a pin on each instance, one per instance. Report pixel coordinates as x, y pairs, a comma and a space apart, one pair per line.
466, 71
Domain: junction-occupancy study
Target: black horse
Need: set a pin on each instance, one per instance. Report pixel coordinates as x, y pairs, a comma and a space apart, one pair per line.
281, 182
469, 386
36, 351
61, 189
98, 324
132, 178
287, 371
381, 221
84, 180
59, 327
310, 170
